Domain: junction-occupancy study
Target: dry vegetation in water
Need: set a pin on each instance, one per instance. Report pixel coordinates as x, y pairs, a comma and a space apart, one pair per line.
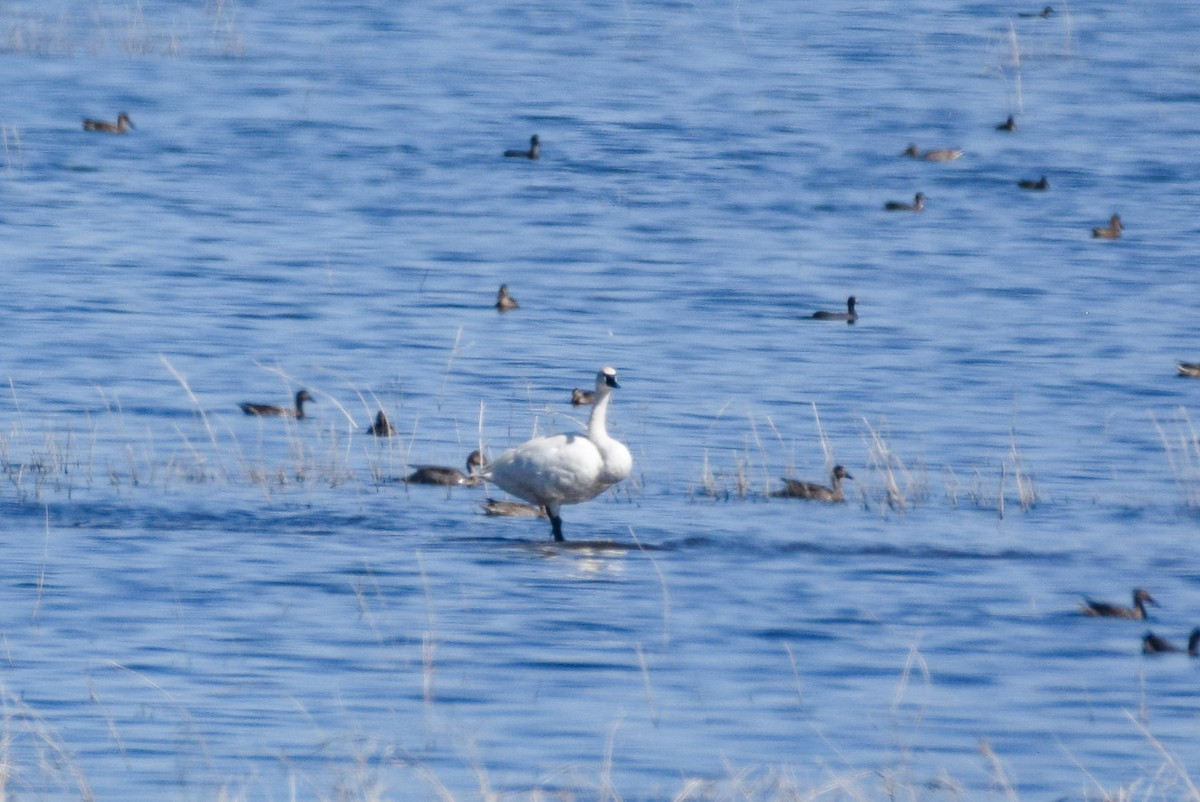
209, 28
883, 480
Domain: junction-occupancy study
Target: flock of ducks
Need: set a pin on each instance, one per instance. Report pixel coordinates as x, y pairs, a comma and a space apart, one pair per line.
548, 472
553, 471
1151, 643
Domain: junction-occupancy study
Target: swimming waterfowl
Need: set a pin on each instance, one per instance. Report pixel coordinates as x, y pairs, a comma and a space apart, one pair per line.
918, 204
850, 315
794, 488
382, 427
1153, 644
1189, 369
1045, 13
564, 469
439, 475
511, 509
1040, 185
535, 150
581, 398
1141, 597
1008, 125
1113, 231
936, 155
504, 301
269, 410
122, 125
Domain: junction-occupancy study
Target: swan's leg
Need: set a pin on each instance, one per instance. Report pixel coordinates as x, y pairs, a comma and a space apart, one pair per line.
555, 521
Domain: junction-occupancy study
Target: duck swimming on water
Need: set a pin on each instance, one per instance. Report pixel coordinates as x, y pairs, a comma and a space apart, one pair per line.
122, 125
535, 150
794, 488
268, 410
511, 509
937, 155
850, 315
1153, 644
504, 301
382, 427
1038, 186
439, 475
582, 398
918, 204
1141, 597
1112, 231
562, 469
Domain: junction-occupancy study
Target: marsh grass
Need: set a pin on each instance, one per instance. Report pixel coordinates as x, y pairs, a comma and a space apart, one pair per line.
1182, 445
129, 28
14, 153
886, 481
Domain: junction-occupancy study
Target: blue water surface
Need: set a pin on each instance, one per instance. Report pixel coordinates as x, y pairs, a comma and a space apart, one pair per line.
198, 604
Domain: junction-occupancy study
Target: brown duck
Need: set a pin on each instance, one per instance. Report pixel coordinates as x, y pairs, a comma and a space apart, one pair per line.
122, 125
794, 488
438, 475
1141, 597
504, 301
937, 155
512, 509
1112, 231
269, 410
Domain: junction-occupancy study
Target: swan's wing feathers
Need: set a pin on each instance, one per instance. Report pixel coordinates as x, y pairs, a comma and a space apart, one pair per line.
563, 468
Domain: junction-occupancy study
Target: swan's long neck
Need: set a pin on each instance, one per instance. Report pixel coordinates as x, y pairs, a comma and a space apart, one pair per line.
597, 428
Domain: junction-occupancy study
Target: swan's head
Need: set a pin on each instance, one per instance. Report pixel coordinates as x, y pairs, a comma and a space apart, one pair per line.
475, 462
606, 379
303, 396
841, 473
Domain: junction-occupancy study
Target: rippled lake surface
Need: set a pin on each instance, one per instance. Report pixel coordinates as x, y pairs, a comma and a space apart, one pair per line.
197, 604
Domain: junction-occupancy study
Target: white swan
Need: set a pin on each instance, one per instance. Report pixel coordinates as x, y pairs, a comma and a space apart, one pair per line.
566, 468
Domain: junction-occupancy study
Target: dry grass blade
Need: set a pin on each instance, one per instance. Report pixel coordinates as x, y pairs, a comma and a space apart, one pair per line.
212, 436
1171, 761
1183, 455
881, 458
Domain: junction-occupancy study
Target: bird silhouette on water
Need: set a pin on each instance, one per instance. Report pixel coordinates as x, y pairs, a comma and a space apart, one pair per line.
1153, 644
1141, 597
794, 488
535, 150
270, 410
122, 125
441, 475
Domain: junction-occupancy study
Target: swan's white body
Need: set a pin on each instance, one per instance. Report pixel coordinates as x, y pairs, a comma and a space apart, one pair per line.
566, 468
